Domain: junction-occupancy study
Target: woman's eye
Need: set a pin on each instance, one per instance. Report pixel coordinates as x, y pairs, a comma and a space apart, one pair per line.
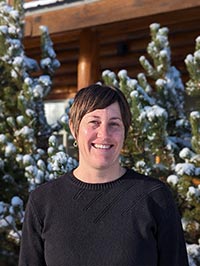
94, 122
114, 124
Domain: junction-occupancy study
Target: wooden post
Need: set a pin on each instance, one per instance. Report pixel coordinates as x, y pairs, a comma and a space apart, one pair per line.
88, 63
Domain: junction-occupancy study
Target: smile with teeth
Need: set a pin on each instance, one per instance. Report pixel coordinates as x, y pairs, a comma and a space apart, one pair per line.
102, 146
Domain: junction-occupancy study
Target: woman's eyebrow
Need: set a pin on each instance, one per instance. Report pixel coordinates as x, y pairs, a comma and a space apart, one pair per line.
115, 119
99, 117
93, 116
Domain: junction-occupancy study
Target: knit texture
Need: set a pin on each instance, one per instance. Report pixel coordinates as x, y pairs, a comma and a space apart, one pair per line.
131, 221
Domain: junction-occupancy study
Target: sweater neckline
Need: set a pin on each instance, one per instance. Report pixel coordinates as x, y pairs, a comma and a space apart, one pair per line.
97, 186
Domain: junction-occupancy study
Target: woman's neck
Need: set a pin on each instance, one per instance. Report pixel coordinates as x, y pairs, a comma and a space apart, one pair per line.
98, 175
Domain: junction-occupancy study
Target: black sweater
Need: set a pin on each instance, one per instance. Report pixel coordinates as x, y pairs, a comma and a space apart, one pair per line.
131, 221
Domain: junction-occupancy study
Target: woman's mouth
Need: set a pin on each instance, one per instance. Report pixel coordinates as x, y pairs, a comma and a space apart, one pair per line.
102, 146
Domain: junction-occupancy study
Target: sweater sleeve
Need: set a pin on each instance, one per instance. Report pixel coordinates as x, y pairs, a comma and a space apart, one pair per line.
170, 237
32, 246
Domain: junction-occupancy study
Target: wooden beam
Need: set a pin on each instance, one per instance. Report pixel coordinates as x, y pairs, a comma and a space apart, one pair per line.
88, 58
97, 13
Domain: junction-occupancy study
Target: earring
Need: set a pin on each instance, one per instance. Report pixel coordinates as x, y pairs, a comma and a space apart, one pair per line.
75, 144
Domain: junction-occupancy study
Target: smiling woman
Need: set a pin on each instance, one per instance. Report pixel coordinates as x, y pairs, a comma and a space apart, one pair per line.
99, 121
101, 213
100, 139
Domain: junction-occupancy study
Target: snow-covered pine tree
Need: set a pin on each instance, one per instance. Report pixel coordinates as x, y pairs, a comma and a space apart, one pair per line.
186, 179
159, 124
168, 86
29, 152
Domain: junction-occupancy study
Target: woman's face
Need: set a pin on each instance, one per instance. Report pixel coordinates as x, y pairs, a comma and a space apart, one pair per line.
100, 138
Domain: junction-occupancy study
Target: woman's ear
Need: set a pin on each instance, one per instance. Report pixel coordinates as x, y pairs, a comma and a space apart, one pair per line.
72, 129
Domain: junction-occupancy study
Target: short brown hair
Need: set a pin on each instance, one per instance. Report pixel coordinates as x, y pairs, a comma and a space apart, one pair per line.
98, 97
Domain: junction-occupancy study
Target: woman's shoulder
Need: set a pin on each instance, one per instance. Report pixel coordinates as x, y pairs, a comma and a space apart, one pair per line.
152, 191
144, 180
50, 188
149, 186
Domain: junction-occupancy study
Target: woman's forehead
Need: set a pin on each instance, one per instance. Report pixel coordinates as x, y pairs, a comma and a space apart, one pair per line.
112, 110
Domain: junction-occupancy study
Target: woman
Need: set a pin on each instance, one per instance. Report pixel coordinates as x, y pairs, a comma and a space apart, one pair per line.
101, 213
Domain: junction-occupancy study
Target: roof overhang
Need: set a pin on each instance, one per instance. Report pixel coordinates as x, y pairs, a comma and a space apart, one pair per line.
83, 14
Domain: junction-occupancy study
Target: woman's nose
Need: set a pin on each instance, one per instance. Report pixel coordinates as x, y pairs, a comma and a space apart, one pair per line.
103, 131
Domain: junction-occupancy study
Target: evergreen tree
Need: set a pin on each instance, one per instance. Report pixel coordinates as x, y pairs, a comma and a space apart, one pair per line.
159, 125
29, 152
186, 179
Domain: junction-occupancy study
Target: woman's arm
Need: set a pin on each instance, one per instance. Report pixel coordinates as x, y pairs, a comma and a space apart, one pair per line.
170, 238
32, 245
